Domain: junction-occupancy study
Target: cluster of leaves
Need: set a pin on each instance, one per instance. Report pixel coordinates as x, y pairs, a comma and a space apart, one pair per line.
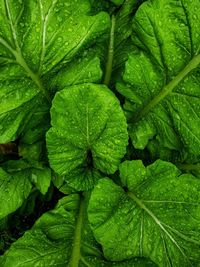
99, 133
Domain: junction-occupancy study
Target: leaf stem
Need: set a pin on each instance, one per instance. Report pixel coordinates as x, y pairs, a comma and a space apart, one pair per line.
76, 254
85, 262
109, 63
168, 88
20, 60
4, 43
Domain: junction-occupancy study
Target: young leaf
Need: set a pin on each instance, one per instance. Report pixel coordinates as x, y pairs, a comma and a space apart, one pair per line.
88, 134
155, 215
37, 39
161, 81
41, 178
62, 237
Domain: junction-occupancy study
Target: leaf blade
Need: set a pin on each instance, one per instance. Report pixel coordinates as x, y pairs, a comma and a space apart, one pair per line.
153, 214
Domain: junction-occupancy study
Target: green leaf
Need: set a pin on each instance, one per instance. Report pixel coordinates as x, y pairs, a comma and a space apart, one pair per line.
32, 145
59, 182
158, 152
48, 241
18, 101
14, 190
34, 130
37, 40
41, 178
161, 81
37, 173
61, 237
83, 69
156, 214
88, 134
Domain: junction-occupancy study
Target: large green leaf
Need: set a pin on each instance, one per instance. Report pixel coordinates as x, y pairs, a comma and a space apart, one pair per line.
88, 134
62, 237
84, 68
14, 190
161, 81
155, 214
37, 39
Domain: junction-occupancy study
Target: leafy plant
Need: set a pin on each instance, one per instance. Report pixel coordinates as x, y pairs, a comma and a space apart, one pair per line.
99, 133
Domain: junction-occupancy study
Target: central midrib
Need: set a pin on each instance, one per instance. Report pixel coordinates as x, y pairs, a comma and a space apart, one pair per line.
167, 89
76, 246
20, 60
35, 78
19, 57
109, 63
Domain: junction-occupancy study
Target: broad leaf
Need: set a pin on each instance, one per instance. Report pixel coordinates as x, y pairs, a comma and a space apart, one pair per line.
84, 68
155, 214
61, 237
88, 134
161, 81
37, 39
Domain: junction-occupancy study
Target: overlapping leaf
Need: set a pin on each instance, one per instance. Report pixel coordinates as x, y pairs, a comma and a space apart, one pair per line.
161, 81
60, 47
155, 214
37, 39
18, 178
62, 237
88, 134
